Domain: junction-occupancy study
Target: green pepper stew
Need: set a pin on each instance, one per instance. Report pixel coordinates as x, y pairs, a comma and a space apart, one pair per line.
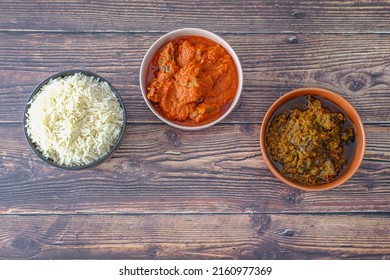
308, 143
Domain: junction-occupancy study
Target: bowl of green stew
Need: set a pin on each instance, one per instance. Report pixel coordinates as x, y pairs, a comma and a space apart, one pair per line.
312, 139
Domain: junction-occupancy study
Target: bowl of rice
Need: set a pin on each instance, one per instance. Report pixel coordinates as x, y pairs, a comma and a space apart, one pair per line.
74, 119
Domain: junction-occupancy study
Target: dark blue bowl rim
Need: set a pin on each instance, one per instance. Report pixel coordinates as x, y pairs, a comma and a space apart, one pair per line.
103, 158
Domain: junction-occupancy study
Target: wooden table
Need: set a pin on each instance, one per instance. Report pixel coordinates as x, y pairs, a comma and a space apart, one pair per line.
171, 194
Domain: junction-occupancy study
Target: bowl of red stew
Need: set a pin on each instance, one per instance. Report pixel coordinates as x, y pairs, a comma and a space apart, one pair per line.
191, 78
312, 139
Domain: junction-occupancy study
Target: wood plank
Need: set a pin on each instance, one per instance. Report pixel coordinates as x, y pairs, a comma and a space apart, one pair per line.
355, 66
307, 16
163, 170
259, 236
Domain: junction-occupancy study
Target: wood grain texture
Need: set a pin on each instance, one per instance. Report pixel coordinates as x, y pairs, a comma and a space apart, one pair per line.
162, 170
170, 194
256, 236
307, 16
355, 66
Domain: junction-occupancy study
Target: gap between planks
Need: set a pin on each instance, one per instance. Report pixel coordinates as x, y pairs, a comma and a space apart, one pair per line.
359, 213
155, 32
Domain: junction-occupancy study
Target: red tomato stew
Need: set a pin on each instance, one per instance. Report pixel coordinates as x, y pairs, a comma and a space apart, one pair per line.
192, 80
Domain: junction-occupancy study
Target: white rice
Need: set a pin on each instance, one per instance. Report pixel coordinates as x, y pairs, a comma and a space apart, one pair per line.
74, 120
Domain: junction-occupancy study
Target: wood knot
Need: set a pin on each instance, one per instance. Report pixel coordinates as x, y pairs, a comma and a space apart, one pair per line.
356, 85
152, 251
290, 199
261, 223
247, 129
298, 14
293, 40
173, 138
294, 196
356, 82
25, 244
132, 166
287, 232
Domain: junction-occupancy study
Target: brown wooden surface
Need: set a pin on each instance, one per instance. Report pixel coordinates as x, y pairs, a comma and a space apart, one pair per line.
271, 64
249, 16
213, 236
171, 194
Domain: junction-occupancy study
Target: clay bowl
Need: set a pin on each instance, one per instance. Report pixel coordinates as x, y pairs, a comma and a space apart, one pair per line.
181, 33
354, 157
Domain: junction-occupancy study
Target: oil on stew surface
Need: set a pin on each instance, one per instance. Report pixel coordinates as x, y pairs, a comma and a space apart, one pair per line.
192, 80
310, 145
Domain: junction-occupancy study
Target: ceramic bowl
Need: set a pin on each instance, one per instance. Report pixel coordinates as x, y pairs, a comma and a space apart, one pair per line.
353, 160
104, 157
169, 37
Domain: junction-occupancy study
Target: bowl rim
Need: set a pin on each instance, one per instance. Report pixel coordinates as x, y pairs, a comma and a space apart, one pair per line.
346, 107
64, 74
189, 32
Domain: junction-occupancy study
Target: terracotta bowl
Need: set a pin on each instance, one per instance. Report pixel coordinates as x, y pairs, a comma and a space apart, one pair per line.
98, 161
353, 161
169, 37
